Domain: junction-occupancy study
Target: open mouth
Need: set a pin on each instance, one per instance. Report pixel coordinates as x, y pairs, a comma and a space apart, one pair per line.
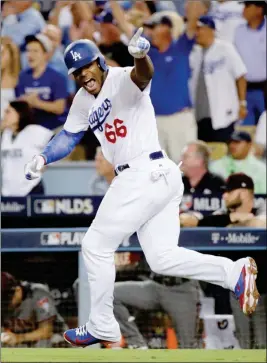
90, 84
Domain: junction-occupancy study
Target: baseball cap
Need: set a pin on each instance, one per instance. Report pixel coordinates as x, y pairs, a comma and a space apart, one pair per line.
240, 136
99, 3
105, 17
239, 181
206, 21
255, 2
8, 283
261, 4
157, 19
42, 39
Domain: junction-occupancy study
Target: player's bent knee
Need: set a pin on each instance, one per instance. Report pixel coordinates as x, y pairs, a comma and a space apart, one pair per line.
156, 266
161, 261
91, 242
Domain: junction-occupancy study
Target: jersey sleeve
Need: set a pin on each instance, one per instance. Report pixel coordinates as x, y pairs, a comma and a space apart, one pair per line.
236, 64
77, 119
44, 306
129, 92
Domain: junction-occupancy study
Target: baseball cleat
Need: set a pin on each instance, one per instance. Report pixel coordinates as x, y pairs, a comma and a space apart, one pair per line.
80, 337
246, 289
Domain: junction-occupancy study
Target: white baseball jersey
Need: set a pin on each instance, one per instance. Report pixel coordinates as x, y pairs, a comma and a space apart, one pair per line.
121, 116
228, 16
222, 67
16, 152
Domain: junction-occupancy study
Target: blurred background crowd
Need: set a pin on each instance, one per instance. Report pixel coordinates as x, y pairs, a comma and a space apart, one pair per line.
203, 89
209, 95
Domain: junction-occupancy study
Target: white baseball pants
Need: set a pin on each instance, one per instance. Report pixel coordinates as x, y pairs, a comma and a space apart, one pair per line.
144, 198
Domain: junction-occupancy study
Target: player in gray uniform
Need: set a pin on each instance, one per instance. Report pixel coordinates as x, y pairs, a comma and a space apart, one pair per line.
176, 296
29, 315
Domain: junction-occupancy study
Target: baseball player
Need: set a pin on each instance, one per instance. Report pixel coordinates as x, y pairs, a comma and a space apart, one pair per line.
145, 194
29, 314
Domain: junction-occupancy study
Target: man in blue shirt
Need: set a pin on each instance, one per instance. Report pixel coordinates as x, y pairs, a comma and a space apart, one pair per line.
42, 87
253, 53
169, 90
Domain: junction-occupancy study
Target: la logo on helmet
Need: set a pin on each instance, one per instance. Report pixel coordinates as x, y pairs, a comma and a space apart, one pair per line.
75, 55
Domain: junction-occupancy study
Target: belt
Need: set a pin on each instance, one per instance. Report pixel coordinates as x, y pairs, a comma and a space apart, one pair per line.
256, 85
153, 156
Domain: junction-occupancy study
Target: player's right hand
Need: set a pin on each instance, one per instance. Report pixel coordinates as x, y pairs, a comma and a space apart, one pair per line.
33, 168
138, 46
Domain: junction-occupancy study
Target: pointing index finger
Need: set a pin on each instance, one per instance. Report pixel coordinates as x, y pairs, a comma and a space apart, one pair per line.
138, 33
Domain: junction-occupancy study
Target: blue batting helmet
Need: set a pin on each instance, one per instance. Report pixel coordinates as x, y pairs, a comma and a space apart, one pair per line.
82, 52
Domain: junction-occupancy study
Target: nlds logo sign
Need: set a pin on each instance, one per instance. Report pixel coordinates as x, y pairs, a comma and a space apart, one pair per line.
65, 206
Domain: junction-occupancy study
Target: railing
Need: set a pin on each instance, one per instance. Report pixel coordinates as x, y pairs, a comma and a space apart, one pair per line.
69, 239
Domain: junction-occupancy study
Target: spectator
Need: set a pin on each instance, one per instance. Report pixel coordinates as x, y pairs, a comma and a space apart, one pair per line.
203, 5
41, 86
177, 22
110, 43
82, 26
250, 41
197, 178
56, 59
228, 16
177, 297
20, 20
239, 202
240, 159
260, 137
172, 72
10, 67
55, 56
74, 18
104, 176
218, 84
61, 14
239, 211
21, 140
30, 314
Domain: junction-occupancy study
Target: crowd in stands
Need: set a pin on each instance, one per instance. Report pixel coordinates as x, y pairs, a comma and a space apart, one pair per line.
208, 90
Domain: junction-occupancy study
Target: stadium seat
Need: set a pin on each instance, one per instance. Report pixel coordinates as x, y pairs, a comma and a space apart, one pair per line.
217, 150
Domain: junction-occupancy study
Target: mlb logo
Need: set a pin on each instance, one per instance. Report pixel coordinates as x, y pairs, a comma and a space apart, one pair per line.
53, 238
42, 206
50, 239
186, 203
43, 304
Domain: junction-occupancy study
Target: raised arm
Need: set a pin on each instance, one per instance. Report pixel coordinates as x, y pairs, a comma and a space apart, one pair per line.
119, 15
143, 70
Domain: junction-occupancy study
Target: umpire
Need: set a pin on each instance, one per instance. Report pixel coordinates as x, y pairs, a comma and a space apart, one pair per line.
178, 297
28, 314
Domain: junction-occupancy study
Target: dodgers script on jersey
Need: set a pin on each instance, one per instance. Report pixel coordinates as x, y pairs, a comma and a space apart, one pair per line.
121, 116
